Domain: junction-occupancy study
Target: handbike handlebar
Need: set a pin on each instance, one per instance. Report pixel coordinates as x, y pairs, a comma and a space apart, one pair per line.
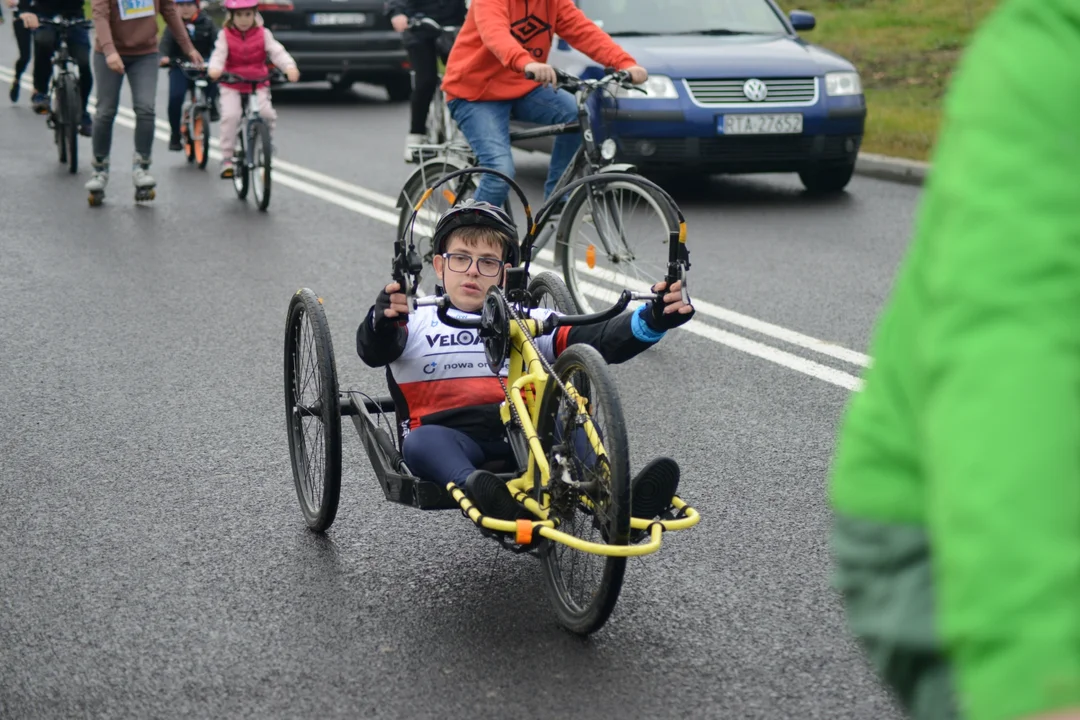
553, 321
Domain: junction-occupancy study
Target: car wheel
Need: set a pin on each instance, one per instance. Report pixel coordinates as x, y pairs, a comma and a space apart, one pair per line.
399, 88
827, 180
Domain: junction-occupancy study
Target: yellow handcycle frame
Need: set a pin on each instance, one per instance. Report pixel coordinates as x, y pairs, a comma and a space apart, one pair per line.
525, 387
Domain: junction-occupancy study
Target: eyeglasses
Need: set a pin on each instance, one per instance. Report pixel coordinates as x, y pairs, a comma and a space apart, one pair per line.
486, 266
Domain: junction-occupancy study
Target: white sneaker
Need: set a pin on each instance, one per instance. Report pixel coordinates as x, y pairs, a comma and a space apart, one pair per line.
412, 139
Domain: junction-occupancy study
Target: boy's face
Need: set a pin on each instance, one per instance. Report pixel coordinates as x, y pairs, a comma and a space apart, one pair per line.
243, 19
188, 10
467, 289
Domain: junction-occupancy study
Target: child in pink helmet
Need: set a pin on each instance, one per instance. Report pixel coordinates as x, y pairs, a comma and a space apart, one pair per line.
243, 48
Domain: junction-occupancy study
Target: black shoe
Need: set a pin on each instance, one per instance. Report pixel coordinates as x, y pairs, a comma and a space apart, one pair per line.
14, 92
491, 496
214, 114
174, 144
653, 488
86, 126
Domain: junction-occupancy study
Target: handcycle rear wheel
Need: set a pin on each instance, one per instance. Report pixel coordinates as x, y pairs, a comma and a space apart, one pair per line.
313, 410
598, 511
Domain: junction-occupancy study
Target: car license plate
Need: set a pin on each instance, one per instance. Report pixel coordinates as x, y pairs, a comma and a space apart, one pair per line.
773, 124
339, 18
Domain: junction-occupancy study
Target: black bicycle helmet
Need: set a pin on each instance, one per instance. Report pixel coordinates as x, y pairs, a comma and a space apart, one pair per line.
472, 212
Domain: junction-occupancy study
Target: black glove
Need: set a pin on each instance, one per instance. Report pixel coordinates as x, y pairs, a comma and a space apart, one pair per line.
380, 322
657, 320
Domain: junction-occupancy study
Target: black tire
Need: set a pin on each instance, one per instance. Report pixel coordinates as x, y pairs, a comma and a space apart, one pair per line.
827, 180
71, 126
649, 252
399, 88
187, 131
200, 138
240, 169
549, 291
260, 152
307, 330
585, 368
59, 117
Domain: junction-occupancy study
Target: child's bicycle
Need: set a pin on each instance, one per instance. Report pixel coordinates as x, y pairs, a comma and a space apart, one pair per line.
195, 114
564, 422
65, 111
254, 147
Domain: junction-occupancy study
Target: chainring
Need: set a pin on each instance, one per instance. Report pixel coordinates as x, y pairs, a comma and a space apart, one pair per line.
495, 331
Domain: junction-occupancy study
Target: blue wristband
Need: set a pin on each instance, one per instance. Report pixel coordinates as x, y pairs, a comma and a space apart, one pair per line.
641, 329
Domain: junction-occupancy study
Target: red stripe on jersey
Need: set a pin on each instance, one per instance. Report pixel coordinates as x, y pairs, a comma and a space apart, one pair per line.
562, 337
432, 396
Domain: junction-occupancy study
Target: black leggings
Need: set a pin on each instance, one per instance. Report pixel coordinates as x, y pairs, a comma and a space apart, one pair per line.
424, 59
78, 46
25, 40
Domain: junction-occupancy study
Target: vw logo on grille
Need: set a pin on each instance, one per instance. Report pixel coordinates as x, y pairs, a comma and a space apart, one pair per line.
755, 90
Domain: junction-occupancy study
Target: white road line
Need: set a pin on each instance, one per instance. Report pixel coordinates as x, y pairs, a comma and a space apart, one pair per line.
126, 118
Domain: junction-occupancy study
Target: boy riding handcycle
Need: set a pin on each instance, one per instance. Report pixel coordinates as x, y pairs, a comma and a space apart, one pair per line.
504, 409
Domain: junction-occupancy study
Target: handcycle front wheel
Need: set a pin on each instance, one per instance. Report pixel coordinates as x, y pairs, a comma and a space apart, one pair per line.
584, 587
550, 292
614, 234
313, 410
260, 153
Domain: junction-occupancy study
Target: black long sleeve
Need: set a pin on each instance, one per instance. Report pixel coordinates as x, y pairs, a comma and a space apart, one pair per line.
382, 347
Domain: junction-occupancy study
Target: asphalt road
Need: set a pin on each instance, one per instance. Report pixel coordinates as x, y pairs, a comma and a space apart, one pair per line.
154, 559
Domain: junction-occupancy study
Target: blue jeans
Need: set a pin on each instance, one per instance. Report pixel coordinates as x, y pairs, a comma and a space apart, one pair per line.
486, 125
441, 455
178, 88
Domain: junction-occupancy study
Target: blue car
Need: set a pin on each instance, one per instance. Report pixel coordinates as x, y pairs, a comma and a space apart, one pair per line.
732, 89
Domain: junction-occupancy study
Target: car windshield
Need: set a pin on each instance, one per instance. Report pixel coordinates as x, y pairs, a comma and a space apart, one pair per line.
683, 17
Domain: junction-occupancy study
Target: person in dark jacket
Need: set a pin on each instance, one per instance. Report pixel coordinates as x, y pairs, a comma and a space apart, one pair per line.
25, 43
45, 42
425, 48
203, 34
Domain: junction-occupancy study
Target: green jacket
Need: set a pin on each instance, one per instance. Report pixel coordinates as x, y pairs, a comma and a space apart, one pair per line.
967, 431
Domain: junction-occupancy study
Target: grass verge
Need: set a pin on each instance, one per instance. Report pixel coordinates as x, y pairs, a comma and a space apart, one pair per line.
905, 51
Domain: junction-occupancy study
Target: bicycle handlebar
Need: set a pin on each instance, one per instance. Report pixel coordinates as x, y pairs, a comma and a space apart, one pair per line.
189, 68
232, 78
419, 20
62, 22
574, 83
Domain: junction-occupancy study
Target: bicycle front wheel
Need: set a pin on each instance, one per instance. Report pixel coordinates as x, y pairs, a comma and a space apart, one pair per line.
614, 235
240, 169
453, 192
59, 118
71, 125
260, 153
595, 504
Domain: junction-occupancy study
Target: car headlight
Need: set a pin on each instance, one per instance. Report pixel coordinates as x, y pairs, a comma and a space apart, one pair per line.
843, 83
657, 87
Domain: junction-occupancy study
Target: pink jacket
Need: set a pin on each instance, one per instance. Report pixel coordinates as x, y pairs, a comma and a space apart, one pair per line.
246, 53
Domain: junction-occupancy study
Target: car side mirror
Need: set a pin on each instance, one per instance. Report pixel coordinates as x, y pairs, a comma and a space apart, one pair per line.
802, 20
